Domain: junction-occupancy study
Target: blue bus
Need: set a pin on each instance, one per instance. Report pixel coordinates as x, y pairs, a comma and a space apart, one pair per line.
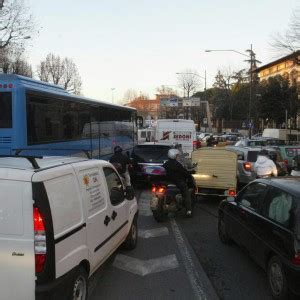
38, 118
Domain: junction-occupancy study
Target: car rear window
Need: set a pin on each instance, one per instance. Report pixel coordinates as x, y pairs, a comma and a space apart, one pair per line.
252, 156
5, 110
292, 152
151, 153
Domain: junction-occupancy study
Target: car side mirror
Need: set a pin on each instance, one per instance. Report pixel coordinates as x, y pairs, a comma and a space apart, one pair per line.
116, 195
129, 193
230, 199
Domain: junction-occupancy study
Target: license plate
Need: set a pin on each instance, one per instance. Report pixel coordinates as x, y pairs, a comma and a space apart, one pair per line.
154, 203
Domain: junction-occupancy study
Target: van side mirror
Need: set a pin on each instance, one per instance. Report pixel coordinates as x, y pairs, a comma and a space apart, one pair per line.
129, 193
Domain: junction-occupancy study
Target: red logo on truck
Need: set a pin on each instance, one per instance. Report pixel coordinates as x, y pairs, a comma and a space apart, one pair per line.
166, 135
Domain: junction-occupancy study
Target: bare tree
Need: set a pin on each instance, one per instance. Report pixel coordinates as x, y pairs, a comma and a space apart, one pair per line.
13, 61
189, 81
60, 71
288, 41
166, 90
130, 95
15, 23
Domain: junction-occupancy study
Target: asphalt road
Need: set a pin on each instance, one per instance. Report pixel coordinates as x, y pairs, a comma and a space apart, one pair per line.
233, 274
163, 265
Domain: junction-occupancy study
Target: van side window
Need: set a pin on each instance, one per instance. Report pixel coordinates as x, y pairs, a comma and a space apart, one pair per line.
279, 207
115, 186
252, 196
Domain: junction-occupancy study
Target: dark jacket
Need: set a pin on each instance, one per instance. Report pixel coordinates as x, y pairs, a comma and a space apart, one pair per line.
175, 171
121, 159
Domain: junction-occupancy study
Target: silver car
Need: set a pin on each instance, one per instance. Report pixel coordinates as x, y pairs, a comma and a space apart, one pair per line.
247, 156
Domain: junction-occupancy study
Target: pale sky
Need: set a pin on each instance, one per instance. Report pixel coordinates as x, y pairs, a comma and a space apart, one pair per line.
141, 44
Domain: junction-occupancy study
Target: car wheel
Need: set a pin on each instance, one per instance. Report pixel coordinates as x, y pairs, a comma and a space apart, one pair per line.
131, 240
79, 287
222, 230
277, 279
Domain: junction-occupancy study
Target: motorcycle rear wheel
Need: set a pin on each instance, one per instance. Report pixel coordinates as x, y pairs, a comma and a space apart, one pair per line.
159, 214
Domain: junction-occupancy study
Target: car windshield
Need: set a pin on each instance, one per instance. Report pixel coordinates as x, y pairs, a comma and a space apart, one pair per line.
151, 153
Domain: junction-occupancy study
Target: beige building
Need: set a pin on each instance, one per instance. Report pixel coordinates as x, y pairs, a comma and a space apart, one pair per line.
287, 66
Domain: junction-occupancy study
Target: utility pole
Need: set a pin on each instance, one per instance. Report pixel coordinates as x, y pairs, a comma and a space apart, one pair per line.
250, 92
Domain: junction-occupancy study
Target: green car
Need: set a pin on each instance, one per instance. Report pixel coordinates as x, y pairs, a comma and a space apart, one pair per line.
288, 153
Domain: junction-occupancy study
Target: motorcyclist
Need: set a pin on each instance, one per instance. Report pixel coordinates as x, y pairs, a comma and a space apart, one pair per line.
296, 166
121, 163
264, 166
179, 175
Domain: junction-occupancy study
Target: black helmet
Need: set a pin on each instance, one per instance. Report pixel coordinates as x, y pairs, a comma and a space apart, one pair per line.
118, 149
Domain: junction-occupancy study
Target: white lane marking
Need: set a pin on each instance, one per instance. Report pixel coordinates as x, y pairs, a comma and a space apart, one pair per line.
150, 233
145, 267
188, 262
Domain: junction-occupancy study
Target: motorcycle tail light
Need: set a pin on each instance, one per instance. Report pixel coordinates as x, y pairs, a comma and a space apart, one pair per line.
153, 189
161, 190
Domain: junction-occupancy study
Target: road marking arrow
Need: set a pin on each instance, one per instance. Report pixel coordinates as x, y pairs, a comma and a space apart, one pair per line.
145, 267
150, 233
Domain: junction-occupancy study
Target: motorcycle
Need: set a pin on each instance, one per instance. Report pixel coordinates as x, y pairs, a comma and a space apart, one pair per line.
167, 198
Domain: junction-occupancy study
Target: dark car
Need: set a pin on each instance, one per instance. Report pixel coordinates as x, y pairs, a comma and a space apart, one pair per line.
264, 218
147, 161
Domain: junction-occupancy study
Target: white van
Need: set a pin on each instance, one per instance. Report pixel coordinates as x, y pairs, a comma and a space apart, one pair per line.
60, 219
177, 131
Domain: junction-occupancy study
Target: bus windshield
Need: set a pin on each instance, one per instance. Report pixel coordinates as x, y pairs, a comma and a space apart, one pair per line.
5, 110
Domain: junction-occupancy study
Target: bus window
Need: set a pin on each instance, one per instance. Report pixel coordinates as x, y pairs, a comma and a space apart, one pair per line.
5, 110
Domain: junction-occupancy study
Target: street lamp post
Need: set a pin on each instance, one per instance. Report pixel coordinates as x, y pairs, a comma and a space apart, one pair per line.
112, 95
251, 80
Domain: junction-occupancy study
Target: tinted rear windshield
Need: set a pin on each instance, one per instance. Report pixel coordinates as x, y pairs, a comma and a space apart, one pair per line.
252, 156
155, 154
5, 110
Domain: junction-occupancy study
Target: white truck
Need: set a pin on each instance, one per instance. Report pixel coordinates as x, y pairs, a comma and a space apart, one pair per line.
177, 131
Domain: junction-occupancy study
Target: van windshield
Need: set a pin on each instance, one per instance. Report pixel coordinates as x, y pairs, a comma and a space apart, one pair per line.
5, 110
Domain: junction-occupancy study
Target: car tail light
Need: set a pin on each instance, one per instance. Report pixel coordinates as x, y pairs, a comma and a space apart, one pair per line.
196, 145
40, 248
157, 172
296, 259
247, 166
231, 192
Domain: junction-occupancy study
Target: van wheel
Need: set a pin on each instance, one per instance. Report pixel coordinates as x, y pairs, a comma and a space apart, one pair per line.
277, 279
79, 288
222, 230
131, 240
